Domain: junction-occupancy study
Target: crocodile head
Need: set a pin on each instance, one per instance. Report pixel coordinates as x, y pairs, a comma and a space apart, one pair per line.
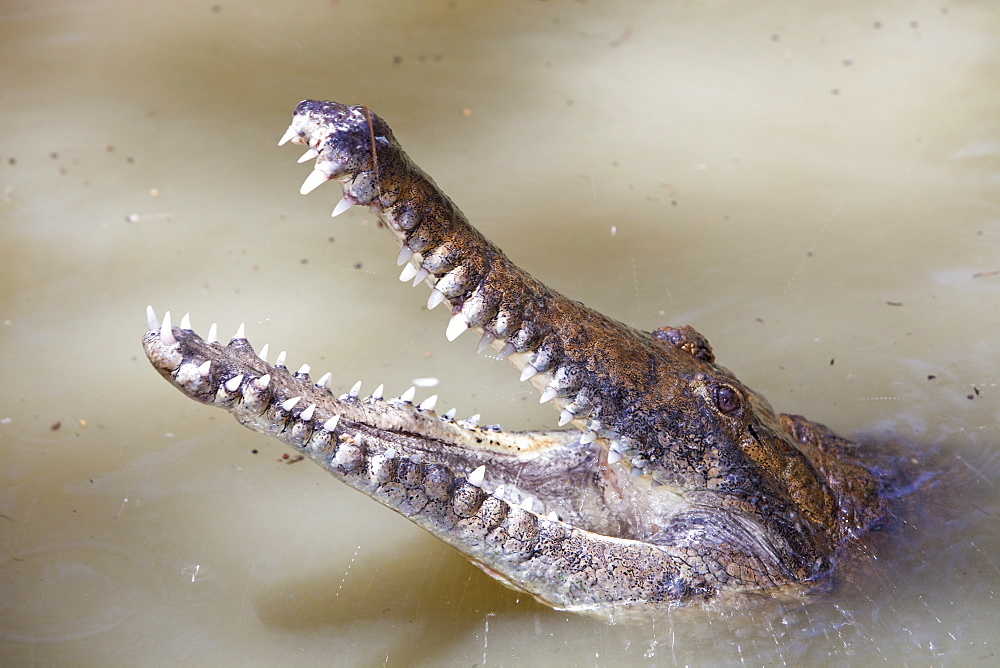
670, 480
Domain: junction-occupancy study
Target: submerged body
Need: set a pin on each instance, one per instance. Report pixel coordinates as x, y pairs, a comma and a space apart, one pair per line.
674, 483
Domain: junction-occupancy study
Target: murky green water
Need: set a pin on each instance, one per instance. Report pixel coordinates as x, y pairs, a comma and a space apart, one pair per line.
813, 186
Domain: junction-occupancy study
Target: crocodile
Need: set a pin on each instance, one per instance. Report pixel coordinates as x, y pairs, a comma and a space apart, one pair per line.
667, 481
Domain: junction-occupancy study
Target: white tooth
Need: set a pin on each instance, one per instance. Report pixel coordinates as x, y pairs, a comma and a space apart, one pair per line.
205, 369
565, 417
429, 403
420, 276
303, 369
308, 155
449, 414
343, 205
548, 395
241, 332
324, 380
635, 473
355, 390
233, 383
405, 253
263, 352
151, 321
473, 421
315, 179
280, 360
456, 326
331, 424
498, 492
526, 504
588, 437
186, 321
477, 476
435, 298
166, 335
507, 350
552, 517
408, 395
485, 340
213, 334
289, 133
614, 456
307, 414
289, 404
409, 271
528, 372
263, 381
377, 394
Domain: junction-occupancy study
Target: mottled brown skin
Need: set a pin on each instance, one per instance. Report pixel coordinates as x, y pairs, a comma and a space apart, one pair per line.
679, 482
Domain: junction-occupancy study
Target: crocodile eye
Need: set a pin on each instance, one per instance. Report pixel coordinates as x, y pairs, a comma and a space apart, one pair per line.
727, 400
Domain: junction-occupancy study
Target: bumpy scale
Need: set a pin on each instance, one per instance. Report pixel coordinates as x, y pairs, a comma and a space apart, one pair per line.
676, 482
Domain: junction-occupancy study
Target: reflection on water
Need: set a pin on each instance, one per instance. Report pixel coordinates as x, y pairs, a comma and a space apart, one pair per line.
813, 187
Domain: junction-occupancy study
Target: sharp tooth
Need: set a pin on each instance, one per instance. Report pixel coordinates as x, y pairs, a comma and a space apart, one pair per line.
435, 298
405, 253
507, 350
498, 492
429, 403
528, 372
456, 326
420, 276
263, 352
408, 395
280, 360
473, 421
241, 332
166, 334
552, 517
477, 476
213, 334
233, 383
588, 437
409, 271
548, 395
308, 155
324, 381
485, 340
343, 205
315, 179
331, 424
263, 381
635, 472
355, 390
377, 394
186, 321
304, 369
526, 504
307, 414
289, 133
449, 414
565, 417
653, 482
289, 404
151, 321
614, 456
205, 369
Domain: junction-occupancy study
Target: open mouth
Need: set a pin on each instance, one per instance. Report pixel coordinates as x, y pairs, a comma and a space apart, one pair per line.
673, 481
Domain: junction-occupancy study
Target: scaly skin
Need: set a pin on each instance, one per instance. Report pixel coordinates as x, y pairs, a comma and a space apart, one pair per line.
677, 483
